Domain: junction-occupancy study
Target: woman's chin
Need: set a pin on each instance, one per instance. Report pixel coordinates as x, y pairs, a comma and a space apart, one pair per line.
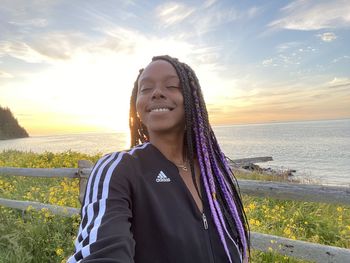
164, 128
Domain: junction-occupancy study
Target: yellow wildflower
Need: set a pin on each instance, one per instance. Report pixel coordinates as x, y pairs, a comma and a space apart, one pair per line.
287, 231
59, 251
251, 206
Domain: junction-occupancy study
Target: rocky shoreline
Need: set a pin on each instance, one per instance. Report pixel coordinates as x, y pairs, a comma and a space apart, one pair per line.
248, 165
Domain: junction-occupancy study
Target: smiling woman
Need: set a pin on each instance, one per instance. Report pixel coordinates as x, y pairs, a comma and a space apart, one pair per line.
173, 196
159, 100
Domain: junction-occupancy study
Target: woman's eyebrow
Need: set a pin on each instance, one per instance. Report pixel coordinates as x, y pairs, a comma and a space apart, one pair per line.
171, 77
145, 79
149, 79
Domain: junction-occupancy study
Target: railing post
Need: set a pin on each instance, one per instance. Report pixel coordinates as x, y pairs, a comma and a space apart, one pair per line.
83, 178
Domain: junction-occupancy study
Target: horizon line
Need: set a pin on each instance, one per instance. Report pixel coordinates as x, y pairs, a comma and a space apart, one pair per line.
213, 125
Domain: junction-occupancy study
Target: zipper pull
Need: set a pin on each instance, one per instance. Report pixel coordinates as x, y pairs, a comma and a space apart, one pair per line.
205, 222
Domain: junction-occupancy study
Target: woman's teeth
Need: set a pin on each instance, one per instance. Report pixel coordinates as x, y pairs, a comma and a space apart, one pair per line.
161, 109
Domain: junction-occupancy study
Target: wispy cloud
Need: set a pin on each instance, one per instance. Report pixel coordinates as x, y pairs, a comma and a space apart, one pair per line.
213, 18
314, 15
128, 41
345, 57
285, 101
338, 82
28, 13
46, 47
268, 62
209, 3
173, 13
283, 60
202, 19
20, 50
37, 22
289, 54
4, 74
327, 37
253, 12
287, 46
59, 45
206, 20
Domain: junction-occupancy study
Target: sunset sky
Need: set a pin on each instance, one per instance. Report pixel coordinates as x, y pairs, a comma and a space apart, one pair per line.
69, 66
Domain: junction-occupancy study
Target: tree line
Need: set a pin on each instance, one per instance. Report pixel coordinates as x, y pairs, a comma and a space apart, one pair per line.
9, 126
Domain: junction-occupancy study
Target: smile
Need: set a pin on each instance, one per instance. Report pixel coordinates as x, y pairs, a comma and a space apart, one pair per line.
160, 109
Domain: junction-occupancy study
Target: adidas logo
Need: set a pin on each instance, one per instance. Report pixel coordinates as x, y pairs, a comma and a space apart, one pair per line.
162, 178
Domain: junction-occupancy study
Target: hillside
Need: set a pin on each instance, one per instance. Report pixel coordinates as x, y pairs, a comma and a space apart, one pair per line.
9, 127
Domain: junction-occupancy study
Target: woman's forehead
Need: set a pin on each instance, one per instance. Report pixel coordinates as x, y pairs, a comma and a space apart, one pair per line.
159, 69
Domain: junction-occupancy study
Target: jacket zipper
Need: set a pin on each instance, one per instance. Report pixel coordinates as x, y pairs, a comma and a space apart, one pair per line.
207, 237
205, 222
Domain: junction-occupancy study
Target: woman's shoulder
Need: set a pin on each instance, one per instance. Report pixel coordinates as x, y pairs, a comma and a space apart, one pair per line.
124, 158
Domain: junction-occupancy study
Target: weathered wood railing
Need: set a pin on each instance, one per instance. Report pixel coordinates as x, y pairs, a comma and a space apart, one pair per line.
262, 242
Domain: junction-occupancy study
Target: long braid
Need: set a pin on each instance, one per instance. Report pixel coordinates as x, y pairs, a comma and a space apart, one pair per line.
209, 184
220, 178
209, 152
232, 181
219, 182
138, 132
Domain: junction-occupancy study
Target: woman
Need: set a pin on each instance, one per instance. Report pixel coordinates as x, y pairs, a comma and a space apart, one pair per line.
172, 197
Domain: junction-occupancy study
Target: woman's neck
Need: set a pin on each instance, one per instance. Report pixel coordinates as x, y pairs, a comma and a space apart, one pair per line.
172, 147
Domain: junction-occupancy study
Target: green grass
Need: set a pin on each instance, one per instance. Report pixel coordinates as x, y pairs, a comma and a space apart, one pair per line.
39, 236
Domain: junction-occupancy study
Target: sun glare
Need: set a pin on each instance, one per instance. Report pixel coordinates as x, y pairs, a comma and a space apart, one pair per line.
92, 89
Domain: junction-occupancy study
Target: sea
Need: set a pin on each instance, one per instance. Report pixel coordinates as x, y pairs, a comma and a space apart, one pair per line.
319, 151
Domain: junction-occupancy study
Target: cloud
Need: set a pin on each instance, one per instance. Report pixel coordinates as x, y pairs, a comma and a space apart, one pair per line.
173, 13
313, 15
285, 101
268, 62
289, 54
340, 58
59, 45
210, 19
209, 3
283, 60
338, 82
327, 37
4, 74
46, 47
253, 12
132, 42
201, 19
20, 50
287, 45
38, 22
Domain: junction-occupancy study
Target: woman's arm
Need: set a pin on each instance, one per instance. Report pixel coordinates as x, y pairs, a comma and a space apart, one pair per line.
104, 233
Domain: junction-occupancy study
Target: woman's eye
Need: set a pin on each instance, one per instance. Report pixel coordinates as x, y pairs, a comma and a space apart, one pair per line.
145, 89
172, 87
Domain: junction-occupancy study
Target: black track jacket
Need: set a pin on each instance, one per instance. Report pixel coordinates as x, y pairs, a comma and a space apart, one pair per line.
138, 209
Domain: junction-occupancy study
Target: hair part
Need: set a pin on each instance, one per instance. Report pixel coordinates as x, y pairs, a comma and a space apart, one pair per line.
219, 181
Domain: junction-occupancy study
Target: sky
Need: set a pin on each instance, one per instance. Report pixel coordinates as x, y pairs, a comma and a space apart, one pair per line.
69, 66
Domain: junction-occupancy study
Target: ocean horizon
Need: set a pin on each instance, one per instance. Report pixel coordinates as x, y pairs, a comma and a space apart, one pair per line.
319, 150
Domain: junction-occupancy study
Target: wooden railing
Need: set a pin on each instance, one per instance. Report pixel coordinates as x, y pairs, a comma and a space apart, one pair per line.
263, 242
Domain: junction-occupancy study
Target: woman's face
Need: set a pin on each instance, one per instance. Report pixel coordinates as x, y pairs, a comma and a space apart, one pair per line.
159, 102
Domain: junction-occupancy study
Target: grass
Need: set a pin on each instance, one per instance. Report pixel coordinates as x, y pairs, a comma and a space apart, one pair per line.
39, 236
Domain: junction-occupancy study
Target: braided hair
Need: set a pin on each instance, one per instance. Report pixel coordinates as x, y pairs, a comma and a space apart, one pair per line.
219, 182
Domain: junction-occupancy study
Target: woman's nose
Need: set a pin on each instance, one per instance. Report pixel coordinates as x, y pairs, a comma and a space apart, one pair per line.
158, 93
